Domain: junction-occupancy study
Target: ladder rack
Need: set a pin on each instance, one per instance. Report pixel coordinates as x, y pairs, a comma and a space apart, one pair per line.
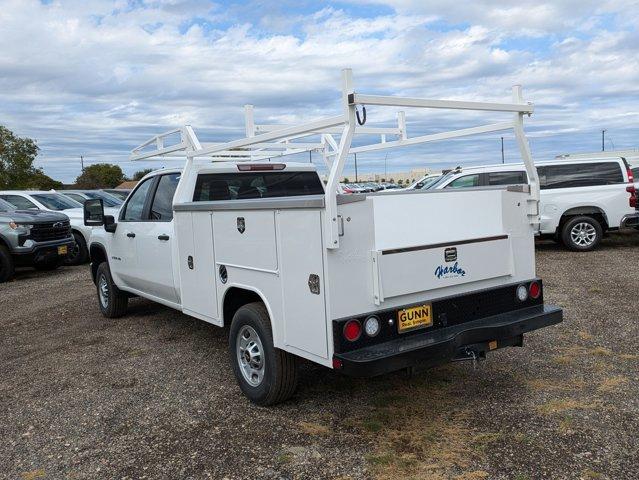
264, 142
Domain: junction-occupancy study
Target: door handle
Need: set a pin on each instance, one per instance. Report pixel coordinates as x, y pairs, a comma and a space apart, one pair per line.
163, 237
130, 235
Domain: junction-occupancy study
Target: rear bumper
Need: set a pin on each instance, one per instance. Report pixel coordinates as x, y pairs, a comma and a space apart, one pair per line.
446, 344
630, 221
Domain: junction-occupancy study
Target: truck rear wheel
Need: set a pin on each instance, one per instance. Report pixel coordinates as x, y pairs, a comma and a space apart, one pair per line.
6, 264
266, 375
581, 233
112, 301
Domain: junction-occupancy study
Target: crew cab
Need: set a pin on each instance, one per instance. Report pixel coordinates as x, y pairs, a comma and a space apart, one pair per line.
358, 283
32, 238
580, 199
55, 202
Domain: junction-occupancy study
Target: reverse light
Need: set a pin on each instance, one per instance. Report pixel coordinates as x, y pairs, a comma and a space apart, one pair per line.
522, 293
534, 290
352, 330
371, 326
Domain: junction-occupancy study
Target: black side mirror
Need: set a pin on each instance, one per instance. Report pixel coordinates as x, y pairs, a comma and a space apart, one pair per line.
109, 224
94, 212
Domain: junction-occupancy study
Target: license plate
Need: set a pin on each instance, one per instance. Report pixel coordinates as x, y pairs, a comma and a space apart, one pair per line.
414, 317
62, 250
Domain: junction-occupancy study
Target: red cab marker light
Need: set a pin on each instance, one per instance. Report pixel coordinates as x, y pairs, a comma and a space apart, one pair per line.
535, 290
260, 167
337, 363
352, 330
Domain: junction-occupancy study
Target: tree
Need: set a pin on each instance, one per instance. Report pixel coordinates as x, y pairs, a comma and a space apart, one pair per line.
346, 180
16, 160
400, 181
392, 180
100, 175
40, 181
141, 173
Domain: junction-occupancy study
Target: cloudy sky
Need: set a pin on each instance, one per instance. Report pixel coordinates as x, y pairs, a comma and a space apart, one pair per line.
97, 77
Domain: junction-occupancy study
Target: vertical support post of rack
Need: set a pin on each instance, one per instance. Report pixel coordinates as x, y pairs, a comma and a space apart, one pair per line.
401, 124
331, 223
524, 148
191, 142
249, 120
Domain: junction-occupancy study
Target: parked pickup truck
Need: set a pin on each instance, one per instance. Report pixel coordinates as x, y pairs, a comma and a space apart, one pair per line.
32, 238
581, 199
363, 284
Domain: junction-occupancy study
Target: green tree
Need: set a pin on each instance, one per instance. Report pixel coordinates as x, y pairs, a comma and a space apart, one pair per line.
346, 180
40, 181
400, 181
16, 160
100, 175
141, 173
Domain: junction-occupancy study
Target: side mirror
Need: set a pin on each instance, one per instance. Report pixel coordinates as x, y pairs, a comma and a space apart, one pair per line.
109, 224
94, 212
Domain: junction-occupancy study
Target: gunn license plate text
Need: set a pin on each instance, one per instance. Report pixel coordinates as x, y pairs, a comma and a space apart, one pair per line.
414, 317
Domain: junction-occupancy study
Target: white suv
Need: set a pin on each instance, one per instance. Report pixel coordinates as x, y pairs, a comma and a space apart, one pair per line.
56, 202
580, 199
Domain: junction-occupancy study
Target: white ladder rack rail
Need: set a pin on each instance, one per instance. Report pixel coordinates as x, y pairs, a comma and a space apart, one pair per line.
267, 141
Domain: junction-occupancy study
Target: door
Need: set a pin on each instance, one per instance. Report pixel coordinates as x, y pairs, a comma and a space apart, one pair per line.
123, 259
155, 241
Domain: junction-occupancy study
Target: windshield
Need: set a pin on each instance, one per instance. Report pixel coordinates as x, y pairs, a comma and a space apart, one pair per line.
6, 206
442, 179
108, 200
56, 201
425, 183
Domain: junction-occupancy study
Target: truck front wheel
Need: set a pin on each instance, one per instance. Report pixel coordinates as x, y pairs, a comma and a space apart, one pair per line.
112, 301
581, 233
6, 264
266, 375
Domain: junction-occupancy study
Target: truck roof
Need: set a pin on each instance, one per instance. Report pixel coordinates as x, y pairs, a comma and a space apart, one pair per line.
510, 166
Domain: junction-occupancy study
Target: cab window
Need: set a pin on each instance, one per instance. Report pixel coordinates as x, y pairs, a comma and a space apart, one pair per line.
465, 181
162, 207
133, 210
507, 178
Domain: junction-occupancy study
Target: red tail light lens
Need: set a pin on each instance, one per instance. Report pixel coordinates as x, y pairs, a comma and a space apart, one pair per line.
633, 195
630, 176
352, 330
534, 290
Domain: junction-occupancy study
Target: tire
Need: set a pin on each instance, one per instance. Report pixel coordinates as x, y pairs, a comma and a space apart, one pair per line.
278, 379
581, 234
47, 266
111, 300
80, 253
6, 264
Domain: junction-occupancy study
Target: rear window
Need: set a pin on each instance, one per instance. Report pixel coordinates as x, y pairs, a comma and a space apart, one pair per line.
579, 175
240, 186
507, 178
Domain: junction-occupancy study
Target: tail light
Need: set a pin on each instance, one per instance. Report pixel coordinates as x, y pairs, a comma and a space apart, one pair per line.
352, 330
630, 176
534, 290
633, 196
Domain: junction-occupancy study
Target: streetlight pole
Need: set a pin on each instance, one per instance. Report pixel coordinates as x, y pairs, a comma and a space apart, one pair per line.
603, 145
82, 163
502, 149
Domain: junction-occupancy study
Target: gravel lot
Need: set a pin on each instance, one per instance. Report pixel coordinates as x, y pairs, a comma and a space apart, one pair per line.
152, 395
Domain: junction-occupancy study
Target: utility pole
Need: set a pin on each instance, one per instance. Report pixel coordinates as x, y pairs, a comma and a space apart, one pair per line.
386, 167
82, 163
355, 168
502, 149
603, 146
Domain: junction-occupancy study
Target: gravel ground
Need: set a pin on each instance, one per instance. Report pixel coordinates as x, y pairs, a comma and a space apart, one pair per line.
152, 395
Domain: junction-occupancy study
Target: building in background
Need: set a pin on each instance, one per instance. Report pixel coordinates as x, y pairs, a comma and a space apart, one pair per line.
410, 176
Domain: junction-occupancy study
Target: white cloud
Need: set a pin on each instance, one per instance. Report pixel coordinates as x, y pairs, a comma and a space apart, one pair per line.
97, 77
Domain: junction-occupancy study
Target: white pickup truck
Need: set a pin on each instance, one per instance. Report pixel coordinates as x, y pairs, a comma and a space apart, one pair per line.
363, 284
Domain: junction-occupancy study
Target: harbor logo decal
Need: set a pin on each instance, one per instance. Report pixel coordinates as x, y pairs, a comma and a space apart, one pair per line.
450, 271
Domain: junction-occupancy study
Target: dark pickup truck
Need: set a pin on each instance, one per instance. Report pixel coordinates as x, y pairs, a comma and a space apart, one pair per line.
32, 238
